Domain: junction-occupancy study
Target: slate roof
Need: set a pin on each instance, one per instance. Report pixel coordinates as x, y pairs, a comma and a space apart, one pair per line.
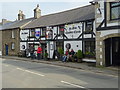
15, 24
73, 15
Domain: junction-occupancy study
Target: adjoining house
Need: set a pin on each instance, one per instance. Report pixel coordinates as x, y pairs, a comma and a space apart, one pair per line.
107, 32
10, 37
75, 28
4, 21
0, 40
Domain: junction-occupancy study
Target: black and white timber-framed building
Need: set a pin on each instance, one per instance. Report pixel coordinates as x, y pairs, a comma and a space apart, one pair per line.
75, 27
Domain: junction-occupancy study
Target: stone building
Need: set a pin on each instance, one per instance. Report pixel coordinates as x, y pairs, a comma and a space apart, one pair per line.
107, 32
10, 39
0, 41
4, 21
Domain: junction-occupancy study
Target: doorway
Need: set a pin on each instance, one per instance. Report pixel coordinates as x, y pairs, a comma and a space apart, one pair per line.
112, 50
6, 50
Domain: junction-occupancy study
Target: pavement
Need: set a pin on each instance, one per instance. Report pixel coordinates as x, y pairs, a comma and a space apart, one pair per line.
112, 71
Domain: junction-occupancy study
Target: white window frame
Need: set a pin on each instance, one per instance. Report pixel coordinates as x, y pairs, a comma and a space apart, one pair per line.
12, 46
13, 34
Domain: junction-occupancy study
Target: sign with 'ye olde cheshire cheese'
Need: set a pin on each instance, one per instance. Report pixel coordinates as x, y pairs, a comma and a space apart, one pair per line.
73, 28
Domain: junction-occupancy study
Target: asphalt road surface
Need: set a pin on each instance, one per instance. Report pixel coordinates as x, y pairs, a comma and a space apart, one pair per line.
24, 74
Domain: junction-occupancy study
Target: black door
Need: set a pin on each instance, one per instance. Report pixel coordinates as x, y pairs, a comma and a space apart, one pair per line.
107, 51
112, 51
116, 51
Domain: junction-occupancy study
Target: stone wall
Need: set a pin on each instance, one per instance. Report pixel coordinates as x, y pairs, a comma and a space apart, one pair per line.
100, 48
8, 40
0, 42
100, 45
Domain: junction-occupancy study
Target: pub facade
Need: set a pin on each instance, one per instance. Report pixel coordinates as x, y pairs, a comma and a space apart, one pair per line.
75, 28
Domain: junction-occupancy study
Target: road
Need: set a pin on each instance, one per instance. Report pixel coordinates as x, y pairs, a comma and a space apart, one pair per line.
24, 74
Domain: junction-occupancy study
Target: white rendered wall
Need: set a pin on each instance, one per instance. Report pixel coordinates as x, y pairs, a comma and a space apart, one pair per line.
74, 45
108, 32
51, 47
21, 44
54, 31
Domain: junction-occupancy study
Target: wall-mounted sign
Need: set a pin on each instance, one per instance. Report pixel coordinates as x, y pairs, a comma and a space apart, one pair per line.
68, 46
73, 28
37, 33
23, 46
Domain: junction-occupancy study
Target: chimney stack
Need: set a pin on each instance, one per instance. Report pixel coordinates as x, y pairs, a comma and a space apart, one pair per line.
21, 16
4, 21
37, 12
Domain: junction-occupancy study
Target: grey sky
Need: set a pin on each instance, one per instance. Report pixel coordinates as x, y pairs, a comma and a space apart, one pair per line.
10, 10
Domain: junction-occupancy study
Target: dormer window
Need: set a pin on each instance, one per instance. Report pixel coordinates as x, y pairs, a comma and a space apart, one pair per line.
114, 10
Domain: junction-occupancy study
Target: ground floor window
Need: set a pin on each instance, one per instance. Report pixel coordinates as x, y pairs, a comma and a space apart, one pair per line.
12, 46
89, 49
59, 45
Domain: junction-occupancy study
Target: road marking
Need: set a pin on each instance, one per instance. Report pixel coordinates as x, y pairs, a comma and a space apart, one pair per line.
2, 59
6, 65
20, 69
34, 73
30, 72
72, 84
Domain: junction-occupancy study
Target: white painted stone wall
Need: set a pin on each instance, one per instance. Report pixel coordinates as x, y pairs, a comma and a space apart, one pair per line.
87, 36
108, 32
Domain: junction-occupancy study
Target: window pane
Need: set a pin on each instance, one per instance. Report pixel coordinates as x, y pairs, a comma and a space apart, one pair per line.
115, 12
115, 4
13, 45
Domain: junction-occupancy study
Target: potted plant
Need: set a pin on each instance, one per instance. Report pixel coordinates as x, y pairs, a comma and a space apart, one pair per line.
90, 55
46, 55
79, 55
61, 52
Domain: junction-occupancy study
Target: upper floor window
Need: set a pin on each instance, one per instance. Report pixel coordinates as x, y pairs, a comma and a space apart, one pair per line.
61, 29
13, 34
32, 33
88, 26
114, 10
43, 31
